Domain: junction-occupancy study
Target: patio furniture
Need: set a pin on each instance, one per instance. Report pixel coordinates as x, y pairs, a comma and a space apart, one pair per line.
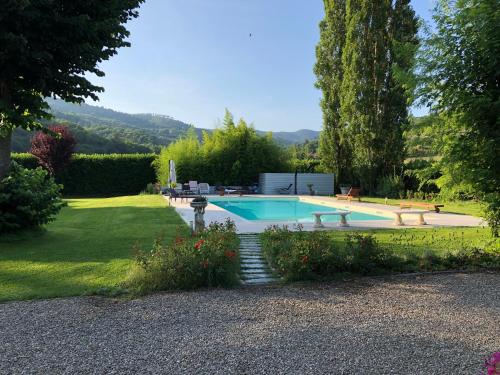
428, 206
285, 190
353, 193
193, 186
399, 220
172, 193
204, 188
342, 214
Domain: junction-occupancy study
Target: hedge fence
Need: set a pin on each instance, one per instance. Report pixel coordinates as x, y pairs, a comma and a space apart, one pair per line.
101, 174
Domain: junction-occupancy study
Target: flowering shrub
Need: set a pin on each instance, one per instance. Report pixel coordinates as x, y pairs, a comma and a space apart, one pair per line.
205, 260
492, 364
299, 255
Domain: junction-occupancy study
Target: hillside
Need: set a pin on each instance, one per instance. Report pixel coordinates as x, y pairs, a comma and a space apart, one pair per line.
103, 130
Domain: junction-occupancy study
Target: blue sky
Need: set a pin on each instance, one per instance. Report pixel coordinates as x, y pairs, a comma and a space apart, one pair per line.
191, 59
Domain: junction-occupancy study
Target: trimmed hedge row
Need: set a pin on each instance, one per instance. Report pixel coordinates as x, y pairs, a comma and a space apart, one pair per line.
102, 174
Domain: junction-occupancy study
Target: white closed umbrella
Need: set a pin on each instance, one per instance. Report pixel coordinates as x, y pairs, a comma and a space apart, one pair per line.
172, 177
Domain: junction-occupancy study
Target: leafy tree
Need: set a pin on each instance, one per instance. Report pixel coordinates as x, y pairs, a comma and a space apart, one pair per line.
364, 67
461, 82
334, 143
46, 48
55, 149
231, 155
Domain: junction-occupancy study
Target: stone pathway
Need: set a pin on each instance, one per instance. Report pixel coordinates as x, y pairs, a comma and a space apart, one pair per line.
254, 269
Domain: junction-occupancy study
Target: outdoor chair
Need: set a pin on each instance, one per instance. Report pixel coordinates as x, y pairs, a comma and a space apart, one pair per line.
204, 188
352, 193
285, 190
193, 186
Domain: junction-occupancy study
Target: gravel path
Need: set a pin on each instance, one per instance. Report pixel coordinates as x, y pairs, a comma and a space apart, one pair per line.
439, 324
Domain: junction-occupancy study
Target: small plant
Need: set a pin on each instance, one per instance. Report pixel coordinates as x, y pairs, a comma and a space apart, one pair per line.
492, 364
29, 198
311, 191
151, 189
391, 187
199, 199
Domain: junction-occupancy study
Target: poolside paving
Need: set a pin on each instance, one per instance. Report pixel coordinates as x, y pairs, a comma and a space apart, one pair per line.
432, 324
216, 213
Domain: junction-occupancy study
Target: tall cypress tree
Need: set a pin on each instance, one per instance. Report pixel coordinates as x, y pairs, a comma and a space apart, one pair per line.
334, 143
364, 103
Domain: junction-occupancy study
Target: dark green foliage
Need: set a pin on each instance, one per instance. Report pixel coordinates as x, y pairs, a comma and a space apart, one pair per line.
29, 198
460, 81
208, 260
48, 49
391, 187
364, 67
103, 175
305, 157
231, 155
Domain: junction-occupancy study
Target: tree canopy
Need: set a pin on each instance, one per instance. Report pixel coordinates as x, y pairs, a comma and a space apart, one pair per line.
46, 49
460, 81
364, 68
233, 154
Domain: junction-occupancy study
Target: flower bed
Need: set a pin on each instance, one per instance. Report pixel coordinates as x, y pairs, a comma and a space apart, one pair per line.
303, 255
209, 259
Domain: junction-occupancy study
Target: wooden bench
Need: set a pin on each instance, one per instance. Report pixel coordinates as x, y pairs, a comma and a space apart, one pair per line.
399, 220
429, 206
342, 214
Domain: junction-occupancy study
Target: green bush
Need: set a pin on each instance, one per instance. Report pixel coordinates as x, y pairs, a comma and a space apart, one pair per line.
28, 198
210, 259
391, 187
102, 175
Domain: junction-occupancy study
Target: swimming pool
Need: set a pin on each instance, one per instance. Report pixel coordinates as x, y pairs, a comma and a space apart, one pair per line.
282, 209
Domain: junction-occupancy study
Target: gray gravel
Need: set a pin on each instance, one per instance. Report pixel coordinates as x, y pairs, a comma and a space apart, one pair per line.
436, 324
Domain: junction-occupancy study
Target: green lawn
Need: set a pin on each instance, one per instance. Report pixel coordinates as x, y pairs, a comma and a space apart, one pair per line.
88, 247
435, 240
458, 207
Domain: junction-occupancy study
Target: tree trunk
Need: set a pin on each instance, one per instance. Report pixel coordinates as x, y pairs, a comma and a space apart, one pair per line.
5, 148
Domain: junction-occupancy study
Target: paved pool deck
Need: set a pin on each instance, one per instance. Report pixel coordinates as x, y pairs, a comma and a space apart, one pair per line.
434, 220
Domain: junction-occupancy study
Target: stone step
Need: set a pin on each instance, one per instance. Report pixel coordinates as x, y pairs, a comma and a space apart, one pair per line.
255, 266
262, 280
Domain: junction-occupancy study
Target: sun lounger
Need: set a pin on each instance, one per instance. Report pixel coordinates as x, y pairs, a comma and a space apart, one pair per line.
352, 194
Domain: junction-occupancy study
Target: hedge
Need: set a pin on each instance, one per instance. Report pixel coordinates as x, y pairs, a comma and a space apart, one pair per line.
101, 174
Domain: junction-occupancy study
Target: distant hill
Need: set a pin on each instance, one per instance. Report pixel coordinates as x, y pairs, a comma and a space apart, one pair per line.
102, 130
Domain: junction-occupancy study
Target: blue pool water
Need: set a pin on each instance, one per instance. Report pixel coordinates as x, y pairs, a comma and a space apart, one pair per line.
282, 209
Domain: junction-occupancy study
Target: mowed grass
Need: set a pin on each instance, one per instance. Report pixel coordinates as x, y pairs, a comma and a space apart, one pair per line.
87, 248
437, 241
458, 207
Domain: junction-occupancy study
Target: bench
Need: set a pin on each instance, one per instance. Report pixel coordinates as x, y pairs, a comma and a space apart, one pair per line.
342, 214
399, 220
429, 206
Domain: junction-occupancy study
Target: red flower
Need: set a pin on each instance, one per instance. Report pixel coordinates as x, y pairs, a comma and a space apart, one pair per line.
204, 264
230, 253
198, 244
305, 259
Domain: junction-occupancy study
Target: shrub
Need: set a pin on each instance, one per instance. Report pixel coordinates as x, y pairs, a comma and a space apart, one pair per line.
53, 152
28, 198
367, 257
391, 187
300, 255
151, 189
102, 175
207, 260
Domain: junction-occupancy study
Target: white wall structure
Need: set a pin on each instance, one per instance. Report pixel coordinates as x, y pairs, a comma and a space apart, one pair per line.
270, 183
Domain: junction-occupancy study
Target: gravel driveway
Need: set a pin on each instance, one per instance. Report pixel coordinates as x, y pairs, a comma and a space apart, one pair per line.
436, 324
